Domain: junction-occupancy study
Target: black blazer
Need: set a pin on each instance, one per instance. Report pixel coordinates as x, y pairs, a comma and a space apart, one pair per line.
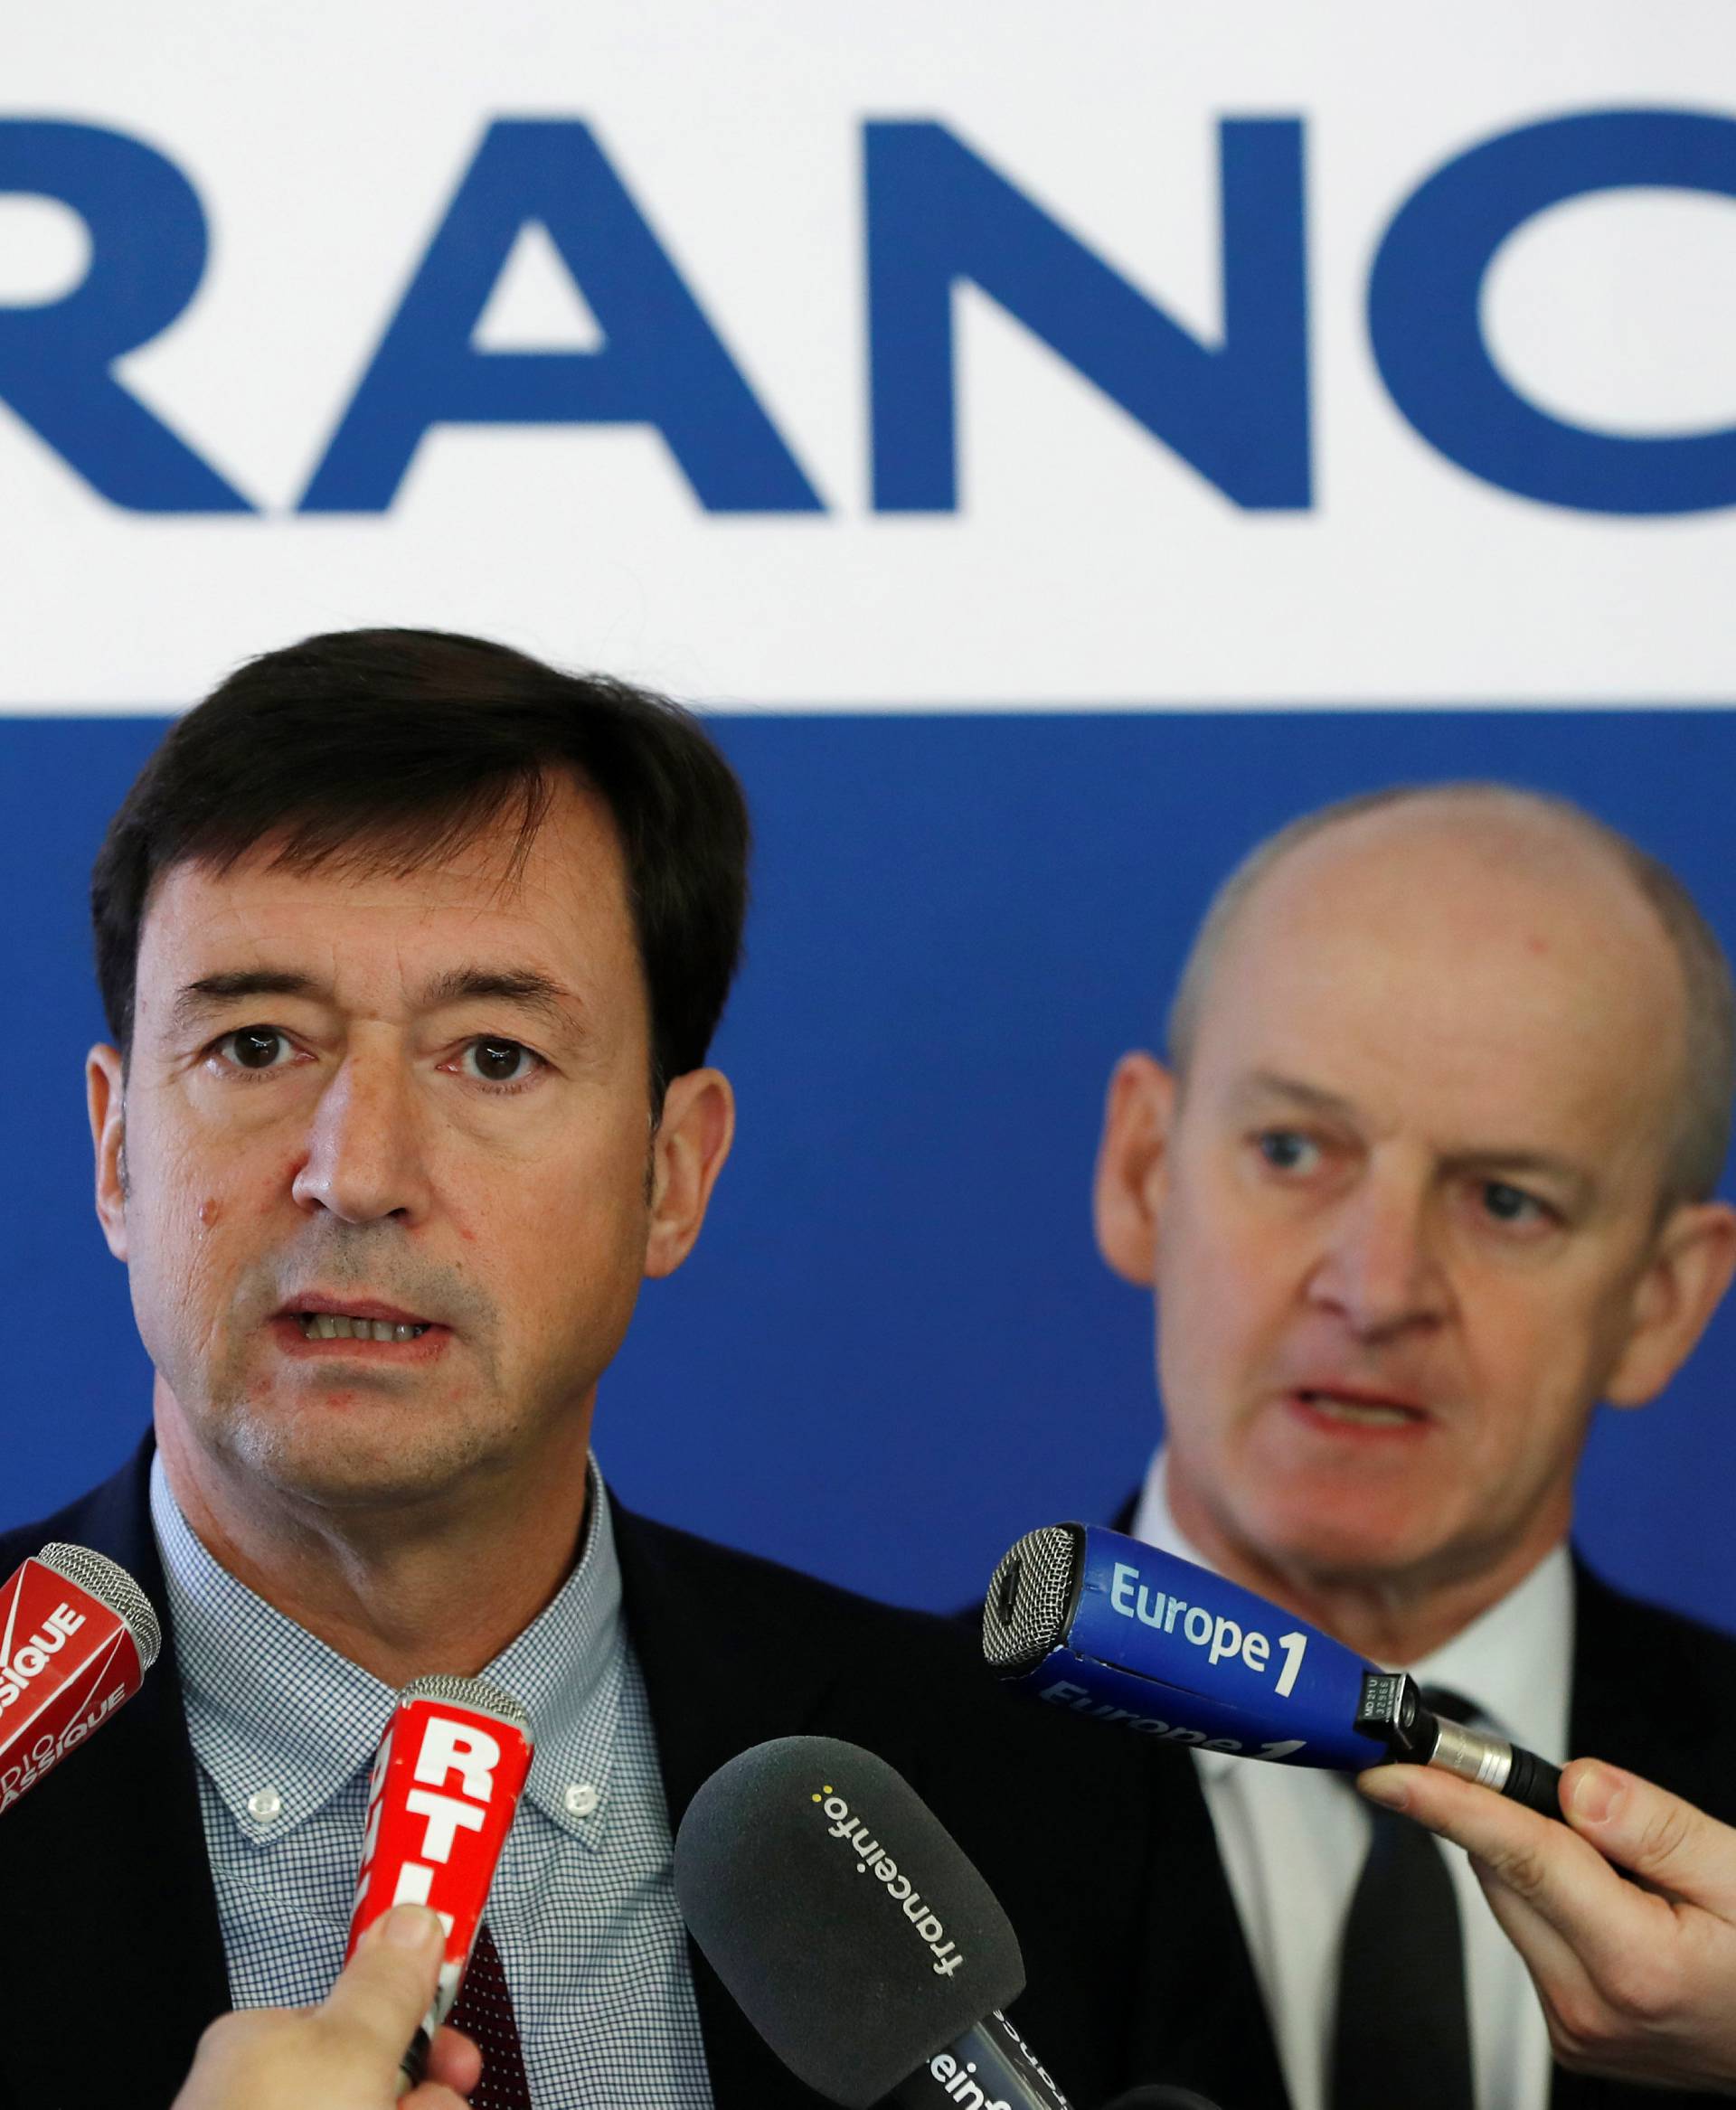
1651, 1691
110, 1910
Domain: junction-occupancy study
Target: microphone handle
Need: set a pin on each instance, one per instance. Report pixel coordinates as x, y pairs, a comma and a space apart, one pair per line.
1492, 1762
988, 2067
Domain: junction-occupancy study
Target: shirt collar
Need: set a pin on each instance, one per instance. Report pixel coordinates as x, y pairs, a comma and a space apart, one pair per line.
1513, 1662
271, 1706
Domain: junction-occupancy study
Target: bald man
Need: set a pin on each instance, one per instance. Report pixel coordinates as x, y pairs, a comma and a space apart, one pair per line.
1428, 1176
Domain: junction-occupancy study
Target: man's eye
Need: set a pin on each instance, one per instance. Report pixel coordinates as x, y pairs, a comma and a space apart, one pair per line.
498, 1061
255, 1048
1511, 1204
1286, 1152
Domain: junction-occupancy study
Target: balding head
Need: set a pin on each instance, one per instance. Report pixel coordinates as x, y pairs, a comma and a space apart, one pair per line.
1538, 878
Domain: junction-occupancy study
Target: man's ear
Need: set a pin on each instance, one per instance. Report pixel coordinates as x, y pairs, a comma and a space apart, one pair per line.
687, 1153
1137, 1121
1690, 1269
104, 1095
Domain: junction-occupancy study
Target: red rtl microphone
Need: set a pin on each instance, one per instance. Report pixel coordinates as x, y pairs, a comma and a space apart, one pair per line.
77, 1636
441, 1800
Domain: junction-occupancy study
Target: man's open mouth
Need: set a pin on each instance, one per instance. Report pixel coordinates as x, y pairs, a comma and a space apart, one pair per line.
1360, 1413
341, 1326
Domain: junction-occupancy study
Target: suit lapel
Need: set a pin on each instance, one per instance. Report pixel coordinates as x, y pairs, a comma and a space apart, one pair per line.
717, 1688
106, 1880
1640, 1701
1206, 2025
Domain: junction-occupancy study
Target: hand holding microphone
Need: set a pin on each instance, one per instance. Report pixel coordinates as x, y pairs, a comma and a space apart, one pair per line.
344, 2054
1636, 1982
441, 1799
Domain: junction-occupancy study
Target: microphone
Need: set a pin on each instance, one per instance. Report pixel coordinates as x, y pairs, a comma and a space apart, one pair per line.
441, 1799
854, 1933
1107, 1626
77, 1636
1161, 2096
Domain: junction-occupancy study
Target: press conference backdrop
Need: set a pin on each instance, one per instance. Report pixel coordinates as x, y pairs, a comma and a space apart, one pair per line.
1058, 444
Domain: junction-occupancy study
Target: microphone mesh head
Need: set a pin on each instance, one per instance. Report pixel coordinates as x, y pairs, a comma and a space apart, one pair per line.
855, 1935
108, 1581
475, 1692
1031, 1598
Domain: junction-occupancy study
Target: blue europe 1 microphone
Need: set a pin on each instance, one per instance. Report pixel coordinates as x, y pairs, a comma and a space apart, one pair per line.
853, 1932
1086, 1619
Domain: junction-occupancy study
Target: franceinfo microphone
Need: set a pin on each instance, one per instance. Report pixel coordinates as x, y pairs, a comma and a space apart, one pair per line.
1107, 1627
444, 1787
852, 1931
77, 1636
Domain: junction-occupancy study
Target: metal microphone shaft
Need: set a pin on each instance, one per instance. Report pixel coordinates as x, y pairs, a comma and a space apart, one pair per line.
1393, 1709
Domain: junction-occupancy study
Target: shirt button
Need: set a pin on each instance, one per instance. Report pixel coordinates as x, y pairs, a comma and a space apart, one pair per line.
265, 1805
581, 1799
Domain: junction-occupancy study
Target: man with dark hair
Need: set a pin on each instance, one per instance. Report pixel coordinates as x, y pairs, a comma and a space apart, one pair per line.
1429, 1173
413, 949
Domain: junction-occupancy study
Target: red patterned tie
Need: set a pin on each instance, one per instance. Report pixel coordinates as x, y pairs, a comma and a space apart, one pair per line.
485, 2014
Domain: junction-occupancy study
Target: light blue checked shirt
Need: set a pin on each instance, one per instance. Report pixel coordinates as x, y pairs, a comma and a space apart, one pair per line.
584, 1908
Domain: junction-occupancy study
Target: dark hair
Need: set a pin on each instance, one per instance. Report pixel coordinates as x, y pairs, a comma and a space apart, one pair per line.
386, 749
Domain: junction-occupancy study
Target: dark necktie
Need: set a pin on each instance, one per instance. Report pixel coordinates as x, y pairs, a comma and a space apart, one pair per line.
1403, 2032
485, 2014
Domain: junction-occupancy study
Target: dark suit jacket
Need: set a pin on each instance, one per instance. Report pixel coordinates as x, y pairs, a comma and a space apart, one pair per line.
1651, 1691
110, 1911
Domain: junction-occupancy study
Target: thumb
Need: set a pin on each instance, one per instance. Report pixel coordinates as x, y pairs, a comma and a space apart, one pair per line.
384, 1991
1661, 1839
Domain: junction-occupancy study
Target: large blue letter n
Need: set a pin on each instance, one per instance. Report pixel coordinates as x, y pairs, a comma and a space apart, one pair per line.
1237, 411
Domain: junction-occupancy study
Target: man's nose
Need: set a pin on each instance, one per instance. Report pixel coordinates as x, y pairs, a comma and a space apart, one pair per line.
365, 1156
1381, 1269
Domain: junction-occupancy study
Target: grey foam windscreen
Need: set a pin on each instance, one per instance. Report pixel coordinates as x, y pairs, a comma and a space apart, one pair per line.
838, 1910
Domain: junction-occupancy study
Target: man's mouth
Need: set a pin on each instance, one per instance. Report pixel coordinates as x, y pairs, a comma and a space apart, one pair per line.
342, 1326
1359, 1411
320, 1317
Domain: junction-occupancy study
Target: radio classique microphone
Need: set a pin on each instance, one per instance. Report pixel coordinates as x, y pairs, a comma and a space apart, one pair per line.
854, 1933
1102, 1624
441, 1799
77, 1636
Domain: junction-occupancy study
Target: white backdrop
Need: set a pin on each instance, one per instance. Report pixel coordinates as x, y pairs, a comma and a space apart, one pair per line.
1086, 562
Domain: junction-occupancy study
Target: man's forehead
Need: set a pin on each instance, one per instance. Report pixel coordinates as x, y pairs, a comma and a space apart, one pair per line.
549, 904
1517, 900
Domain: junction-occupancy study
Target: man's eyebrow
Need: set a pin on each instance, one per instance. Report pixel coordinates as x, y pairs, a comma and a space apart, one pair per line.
1494, 1162
532, 990
1490, 1158
1269, 1084
524, 987
201, 998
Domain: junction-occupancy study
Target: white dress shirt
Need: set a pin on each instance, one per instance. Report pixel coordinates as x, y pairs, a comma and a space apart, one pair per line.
1293, 1840
583, 1907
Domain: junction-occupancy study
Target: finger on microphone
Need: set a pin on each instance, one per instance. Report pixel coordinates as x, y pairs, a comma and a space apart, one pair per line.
1658, 1836
344, 2053
1636, 1978
1560, 1902
384, 1988
384, 1991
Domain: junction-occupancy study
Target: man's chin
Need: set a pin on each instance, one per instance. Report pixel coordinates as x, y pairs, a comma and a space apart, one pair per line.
363, 1472
1354, 1547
